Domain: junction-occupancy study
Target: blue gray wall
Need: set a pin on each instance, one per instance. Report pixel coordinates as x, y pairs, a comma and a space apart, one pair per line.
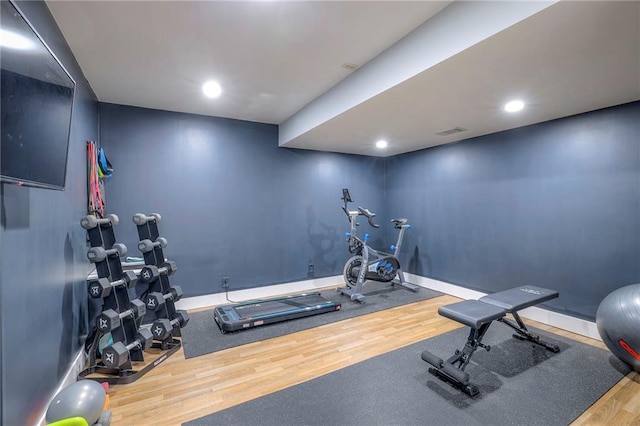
232, 202
555, 204
43, 265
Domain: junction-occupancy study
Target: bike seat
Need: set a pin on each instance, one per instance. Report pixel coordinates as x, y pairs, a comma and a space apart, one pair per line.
400, 221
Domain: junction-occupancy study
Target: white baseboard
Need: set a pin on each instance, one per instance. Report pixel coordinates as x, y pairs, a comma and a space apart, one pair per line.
70, 377
257, 293
565, 322
441, 286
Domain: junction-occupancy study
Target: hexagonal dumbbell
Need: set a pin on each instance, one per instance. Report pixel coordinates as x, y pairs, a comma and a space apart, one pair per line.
162, 328
90, 222
150, 273
148, 245
117, 354
141, 218
101, 288
110, 320
98, 254
155, 300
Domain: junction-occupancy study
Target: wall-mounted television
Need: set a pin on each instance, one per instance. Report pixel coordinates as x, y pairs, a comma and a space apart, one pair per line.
37, 100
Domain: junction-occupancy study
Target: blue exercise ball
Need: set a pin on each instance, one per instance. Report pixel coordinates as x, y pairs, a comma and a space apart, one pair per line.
84, 398
618, 321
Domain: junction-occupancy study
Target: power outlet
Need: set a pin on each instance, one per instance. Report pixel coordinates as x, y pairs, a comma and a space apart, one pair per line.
225, 282
311, 269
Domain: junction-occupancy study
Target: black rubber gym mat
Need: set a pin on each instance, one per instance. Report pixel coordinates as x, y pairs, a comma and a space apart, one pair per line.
202, 335
520, 384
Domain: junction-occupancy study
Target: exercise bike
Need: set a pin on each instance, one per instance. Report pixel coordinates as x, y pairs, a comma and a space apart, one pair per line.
367, 263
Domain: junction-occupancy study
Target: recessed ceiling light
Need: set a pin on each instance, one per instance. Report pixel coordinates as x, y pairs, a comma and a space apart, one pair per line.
381, 144
212, 89
12, 40
514, 106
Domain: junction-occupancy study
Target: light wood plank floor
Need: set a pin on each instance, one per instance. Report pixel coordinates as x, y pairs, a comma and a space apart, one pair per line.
182, 389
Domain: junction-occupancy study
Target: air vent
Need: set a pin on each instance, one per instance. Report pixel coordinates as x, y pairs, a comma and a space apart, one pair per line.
451, 131
350, 67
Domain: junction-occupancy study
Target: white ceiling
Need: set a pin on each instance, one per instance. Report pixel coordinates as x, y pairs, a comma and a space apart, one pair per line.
281, 63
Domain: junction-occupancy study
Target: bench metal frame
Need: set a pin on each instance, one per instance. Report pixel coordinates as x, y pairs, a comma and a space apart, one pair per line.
495, 306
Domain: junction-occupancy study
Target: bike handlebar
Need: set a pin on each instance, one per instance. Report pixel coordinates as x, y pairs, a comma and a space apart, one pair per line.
346, 197
369, 216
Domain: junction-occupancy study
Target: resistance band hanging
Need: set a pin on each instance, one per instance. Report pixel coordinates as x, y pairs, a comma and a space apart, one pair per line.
105, 169
98, 168
96, 203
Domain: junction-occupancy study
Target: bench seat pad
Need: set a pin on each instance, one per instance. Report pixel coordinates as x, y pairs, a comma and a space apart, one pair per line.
472, 312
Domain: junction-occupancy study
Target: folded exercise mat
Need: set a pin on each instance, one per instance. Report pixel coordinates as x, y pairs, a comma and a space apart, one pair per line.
203, 335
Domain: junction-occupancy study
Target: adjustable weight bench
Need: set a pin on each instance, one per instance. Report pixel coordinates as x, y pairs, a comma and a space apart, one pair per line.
478, 315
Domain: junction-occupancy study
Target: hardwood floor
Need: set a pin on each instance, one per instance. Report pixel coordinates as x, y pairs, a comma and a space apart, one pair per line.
182, 389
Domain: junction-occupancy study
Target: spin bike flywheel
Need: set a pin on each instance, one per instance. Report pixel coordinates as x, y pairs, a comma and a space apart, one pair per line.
351, 270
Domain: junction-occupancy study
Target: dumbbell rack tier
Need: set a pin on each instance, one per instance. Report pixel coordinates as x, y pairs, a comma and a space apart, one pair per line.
151, 245
119, 316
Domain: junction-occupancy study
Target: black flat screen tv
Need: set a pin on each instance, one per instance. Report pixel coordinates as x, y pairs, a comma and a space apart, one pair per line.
37, 100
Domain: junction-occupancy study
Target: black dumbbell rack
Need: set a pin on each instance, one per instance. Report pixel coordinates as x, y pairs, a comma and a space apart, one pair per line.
105, 253
148, 230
